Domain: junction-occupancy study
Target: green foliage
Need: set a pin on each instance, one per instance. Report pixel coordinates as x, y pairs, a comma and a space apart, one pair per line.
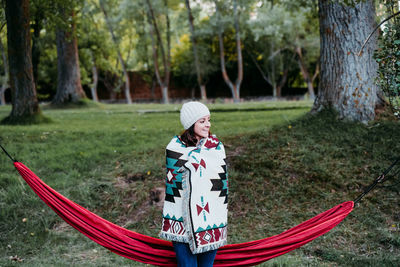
276, 29
388, 58
183, 64
260, 30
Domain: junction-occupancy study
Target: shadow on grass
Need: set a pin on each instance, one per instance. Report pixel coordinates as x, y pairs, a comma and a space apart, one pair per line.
26, 120
83, 103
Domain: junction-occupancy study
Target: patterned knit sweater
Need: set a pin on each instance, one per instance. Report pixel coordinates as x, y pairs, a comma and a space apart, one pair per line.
196, 197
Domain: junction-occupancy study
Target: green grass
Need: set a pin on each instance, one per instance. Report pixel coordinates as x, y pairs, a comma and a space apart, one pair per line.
285, 167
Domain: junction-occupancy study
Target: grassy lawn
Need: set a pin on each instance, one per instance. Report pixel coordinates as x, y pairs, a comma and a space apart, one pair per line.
285, 167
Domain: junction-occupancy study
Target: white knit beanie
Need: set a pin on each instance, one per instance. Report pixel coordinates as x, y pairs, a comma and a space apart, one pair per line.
192, 112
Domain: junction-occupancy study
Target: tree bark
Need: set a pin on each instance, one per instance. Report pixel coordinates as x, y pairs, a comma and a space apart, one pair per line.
4, 84
235, 87
69, 88
196, 56
23, 92
121, 60
346, 78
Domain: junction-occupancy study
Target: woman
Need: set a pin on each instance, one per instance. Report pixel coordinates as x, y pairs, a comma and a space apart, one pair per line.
195, 207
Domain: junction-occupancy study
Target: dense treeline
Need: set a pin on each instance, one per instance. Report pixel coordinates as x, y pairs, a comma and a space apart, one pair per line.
116, 37
185, 49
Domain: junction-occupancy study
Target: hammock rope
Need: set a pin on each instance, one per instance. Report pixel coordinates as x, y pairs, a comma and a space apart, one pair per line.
159, 252
380, 179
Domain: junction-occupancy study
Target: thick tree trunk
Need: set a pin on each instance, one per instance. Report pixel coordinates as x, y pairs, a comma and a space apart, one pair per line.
4, 84
69, 88
346, 79
196, 56
23, 92
121, 60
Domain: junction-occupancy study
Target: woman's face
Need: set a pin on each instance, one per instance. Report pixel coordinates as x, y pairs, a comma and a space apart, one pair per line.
202, 127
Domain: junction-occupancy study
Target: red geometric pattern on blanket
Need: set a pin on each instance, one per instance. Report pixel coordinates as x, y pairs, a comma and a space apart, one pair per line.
211, 142
203, 163
195, 165
172, 226
210, 236
150, 250
200, 209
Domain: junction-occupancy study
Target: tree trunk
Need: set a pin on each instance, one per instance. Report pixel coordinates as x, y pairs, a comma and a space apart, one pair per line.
164, 91
4, 84
196, 56
235, 88
305, 73
203, 92
239, 52
69, 88
346, 79
165, 57
121, 60
2, 96
282, 83
24, 101
95, 75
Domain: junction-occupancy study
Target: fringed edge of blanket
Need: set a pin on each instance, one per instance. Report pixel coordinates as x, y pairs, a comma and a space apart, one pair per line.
172, 237
210, 247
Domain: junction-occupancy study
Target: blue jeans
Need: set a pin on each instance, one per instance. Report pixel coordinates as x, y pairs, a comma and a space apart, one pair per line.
185, 257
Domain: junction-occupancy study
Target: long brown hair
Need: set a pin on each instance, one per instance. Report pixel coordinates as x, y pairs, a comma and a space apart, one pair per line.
188, 137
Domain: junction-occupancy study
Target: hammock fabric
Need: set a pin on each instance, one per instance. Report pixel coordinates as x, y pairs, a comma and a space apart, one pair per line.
159, 252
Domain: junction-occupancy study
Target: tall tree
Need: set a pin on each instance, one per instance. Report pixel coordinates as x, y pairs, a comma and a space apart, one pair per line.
347, 79
25, 105
235, 87
158, 44
69, 88
121, 60
285, 30
195, 53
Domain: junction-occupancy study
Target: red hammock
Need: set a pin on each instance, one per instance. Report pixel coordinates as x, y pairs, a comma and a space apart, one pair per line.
159, 252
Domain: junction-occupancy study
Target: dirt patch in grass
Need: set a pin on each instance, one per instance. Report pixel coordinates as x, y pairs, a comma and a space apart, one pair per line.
62, 227
137, 207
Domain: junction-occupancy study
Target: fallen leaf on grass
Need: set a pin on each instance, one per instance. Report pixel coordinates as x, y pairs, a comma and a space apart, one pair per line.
16, 258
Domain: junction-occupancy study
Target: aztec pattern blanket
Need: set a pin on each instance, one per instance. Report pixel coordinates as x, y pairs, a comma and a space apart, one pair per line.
196, 197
